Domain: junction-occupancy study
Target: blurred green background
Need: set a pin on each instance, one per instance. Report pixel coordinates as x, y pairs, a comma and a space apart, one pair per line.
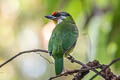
24, 27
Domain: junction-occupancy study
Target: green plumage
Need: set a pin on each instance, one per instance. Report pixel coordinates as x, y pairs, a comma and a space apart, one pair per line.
58, 64
63, 39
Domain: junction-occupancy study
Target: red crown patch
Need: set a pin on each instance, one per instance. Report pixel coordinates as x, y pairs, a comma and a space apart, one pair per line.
54, 13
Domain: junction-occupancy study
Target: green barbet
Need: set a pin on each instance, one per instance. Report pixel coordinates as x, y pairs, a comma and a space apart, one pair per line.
63, 38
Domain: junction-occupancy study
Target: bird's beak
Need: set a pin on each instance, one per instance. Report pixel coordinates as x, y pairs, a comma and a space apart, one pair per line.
50, 17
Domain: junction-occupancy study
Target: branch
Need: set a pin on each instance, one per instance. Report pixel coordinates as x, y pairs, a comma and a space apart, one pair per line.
23, 52
64, 74
79, 73
84, 65
90, 66
114, 61
82, 70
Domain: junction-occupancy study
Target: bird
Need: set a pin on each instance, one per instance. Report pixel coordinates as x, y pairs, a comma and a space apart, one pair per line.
63, 39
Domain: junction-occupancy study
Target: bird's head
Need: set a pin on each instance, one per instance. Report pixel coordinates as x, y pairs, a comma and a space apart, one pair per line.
58, 17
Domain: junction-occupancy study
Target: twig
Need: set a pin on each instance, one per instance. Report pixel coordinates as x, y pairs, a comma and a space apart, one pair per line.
23, 52
73, 60
114, 61
81, 72
46, 59
72, 72
64, 74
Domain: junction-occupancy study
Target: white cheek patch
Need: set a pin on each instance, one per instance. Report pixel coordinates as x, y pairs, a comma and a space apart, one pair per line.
61, 19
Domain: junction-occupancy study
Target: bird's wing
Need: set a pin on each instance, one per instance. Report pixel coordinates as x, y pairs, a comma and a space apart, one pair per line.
63, 37
50, 46
70, 37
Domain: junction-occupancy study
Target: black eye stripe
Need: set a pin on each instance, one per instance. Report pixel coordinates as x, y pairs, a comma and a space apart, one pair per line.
58, 15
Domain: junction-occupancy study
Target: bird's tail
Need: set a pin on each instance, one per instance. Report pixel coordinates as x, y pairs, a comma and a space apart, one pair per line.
58, 65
